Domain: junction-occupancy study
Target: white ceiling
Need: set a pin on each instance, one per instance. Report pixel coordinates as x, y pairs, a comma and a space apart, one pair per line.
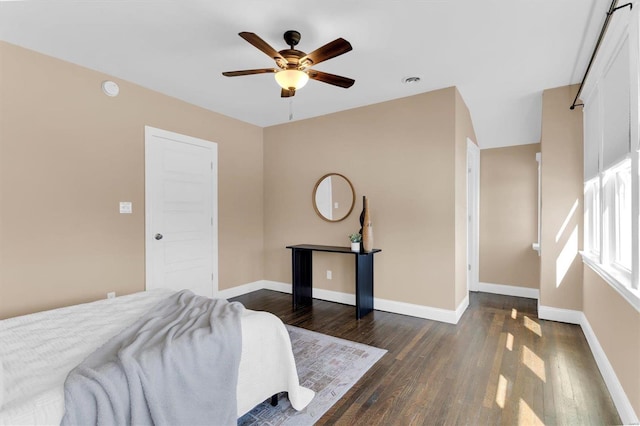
500, 54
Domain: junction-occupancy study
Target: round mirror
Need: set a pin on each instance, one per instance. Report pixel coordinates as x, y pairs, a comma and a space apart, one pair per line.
333, 197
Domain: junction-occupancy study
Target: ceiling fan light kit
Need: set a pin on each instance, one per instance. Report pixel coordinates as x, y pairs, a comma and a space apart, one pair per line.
294, 66
292, 79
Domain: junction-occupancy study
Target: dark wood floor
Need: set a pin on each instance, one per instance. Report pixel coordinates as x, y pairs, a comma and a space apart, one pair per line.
498, 365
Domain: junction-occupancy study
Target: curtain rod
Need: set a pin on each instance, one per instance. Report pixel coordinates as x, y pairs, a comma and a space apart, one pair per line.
612, 10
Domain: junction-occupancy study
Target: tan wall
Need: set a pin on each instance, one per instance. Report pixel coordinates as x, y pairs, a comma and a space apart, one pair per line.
69, 154
400, 154
509, 216
617, 326
562, 200
464, 130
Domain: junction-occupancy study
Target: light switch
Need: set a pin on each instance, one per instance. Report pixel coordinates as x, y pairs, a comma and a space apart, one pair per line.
335, 205
125, 207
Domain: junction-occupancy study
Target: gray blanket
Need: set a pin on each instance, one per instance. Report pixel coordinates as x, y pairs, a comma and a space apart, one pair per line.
177, 365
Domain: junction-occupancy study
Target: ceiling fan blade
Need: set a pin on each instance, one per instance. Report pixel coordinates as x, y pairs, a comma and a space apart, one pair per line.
249, 72
330, 50
285, 93
336, 80
262, 45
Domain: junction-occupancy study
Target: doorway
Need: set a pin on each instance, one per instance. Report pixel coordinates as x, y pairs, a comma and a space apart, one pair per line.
181, 212
473, 215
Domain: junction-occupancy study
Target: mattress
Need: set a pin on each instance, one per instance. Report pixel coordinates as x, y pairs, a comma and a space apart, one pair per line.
37, 352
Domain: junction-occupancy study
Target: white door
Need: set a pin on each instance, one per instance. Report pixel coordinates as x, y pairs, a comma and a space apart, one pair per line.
181, 212
473, 215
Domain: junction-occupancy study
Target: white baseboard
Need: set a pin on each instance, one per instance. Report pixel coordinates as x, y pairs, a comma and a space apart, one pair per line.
462, 307
335, 296
509, 290
277, 286
560, 315
239, 290
619, 397
317, 293
418, 311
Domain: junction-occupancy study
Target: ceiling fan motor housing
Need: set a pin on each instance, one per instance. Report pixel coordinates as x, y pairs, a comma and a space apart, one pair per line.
292, 37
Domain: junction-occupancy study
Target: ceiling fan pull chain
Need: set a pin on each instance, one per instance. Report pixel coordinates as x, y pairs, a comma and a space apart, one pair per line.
290, 109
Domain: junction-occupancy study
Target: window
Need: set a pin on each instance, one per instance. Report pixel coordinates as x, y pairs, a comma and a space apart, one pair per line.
592, 216
618, 207
611, 119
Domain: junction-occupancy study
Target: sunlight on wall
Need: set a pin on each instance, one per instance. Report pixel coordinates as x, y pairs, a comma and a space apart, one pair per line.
526, 416
566, 221
501, 393
532, 326
567, 256
509, 344
534, 362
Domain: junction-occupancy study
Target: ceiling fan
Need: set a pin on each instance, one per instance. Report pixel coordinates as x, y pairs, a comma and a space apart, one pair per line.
294, 66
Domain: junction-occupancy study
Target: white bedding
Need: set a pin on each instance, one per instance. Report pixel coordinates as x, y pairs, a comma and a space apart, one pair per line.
37, 352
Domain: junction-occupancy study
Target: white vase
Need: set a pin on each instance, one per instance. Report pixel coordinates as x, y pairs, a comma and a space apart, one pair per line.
355, 247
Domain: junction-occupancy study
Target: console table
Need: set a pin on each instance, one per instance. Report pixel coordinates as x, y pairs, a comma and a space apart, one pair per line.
301, 267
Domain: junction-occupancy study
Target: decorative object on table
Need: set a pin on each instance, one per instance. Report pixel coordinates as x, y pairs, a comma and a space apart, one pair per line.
333, 197
328, 365
367, 226
355, 241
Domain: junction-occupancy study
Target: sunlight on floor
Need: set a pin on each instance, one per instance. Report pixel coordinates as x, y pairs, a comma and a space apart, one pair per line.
509, 344
534, 362
514, 313
501, 393
532, 326
567, 256
526, 416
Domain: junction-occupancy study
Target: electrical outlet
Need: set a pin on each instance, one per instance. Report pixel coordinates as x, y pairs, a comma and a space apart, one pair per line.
111, 295
328, 274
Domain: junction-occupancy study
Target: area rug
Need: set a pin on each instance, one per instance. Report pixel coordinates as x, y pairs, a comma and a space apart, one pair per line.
327, 365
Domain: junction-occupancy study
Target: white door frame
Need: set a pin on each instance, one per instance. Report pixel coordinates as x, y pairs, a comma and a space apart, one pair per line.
473, 216
150, 133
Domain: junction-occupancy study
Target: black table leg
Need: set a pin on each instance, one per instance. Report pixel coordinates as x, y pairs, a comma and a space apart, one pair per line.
301, 277
364, 284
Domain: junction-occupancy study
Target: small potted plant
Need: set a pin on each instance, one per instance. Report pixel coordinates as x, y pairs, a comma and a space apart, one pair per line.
355, 241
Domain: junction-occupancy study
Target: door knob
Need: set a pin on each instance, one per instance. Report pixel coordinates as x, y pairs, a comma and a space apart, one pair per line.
158, 236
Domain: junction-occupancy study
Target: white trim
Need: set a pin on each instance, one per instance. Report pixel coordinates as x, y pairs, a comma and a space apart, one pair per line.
536, 245
239, 290
509, 290
334, 296
462, 307
418, 311
473, 215
558, 314
277, 286
618, 395
630, 295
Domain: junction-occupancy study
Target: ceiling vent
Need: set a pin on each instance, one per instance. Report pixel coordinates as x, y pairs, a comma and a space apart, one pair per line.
411, 80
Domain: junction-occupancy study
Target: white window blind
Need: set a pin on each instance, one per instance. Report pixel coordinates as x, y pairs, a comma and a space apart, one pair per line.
615, 108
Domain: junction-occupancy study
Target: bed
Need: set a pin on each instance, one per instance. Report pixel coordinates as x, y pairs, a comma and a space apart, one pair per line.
37, 351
